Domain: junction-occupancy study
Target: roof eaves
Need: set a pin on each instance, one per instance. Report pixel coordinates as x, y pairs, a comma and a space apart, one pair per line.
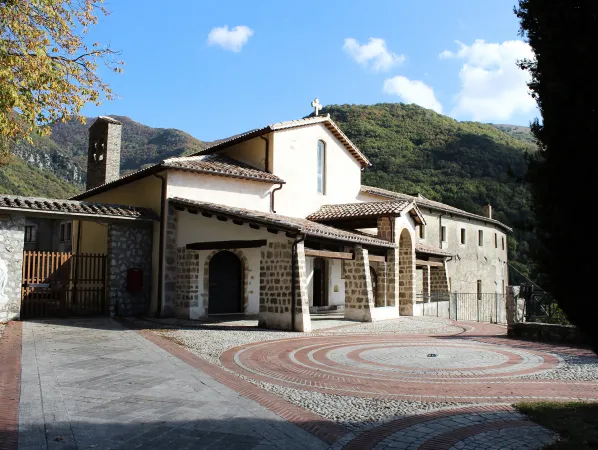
224, 174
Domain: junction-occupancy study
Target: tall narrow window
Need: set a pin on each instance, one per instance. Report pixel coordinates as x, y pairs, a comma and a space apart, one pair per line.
503, 242
321, 167
29, 234
479, 289
495, 240
443, 234
462, 235
480, 238
422, 231
62, 232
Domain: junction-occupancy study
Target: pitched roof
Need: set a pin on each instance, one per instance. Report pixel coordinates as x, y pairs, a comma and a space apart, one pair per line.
325, 120
220, 165
285, 223
422, 201
14, 203
431, 250
366, 209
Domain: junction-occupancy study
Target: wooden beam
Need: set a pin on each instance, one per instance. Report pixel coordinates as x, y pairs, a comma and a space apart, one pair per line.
328, 254
421, 262
377, 258
227, 245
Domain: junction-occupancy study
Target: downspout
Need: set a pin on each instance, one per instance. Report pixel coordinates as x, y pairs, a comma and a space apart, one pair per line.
272, 210
294, 280
162, 240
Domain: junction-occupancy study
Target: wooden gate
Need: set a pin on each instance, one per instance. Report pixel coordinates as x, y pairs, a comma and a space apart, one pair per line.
63, 284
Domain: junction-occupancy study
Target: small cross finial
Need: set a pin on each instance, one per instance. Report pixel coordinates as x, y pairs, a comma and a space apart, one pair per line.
316, 106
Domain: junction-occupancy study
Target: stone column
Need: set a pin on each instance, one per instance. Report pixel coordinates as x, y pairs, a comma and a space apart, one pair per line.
129, 246
12, 238
359, 298
406, 273
426, 283
302, 317
187, 282
170, 299
275, 285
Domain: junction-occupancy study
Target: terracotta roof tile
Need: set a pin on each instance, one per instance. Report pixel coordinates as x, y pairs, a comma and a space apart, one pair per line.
366, 209
431, 250
220, 165
432, 204
11, 203
291, 224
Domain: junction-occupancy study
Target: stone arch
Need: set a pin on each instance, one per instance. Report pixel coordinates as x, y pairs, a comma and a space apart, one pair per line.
244, 282
406, 273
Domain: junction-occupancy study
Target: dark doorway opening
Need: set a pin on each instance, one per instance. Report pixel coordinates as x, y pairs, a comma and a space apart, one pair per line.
374, 277
320, 283
226, 284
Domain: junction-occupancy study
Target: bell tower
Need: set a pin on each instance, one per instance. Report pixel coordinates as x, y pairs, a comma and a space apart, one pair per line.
103, 153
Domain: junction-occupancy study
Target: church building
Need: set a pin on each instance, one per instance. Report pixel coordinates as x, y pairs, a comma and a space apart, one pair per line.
275, 222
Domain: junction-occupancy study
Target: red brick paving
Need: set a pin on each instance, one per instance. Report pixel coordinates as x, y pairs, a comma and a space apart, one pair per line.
10, 385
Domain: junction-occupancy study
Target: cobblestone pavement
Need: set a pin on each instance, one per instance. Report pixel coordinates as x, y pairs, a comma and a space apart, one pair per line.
93, 384
407, 383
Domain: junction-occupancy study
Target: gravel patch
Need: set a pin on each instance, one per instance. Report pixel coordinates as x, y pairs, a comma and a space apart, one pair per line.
573, 368
2, 326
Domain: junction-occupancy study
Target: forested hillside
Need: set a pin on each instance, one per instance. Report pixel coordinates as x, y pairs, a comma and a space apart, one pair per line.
465, 164
412, 149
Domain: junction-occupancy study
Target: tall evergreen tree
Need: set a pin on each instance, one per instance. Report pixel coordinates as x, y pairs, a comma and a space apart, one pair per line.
563, 36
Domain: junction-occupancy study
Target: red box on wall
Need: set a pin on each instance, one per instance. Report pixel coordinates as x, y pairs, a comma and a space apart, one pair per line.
134, 280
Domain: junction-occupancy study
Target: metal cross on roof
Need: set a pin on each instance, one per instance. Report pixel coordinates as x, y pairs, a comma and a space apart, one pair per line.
316, 106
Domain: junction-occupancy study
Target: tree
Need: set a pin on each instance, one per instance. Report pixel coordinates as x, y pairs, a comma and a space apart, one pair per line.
564, 175
47, 70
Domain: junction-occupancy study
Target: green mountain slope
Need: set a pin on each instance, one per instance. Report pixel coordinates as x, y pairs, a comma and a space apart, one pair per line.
465, 164
517, 131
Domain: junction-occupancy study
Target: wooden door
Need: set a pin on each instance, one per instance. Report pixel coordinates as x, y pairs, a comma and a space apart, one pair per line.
320, 282
226, 284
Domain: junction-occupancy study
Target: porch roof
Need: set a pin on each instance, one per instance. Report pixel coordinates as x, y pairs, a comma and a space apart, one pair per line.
431, 250
363, 210
72, 209
294, 225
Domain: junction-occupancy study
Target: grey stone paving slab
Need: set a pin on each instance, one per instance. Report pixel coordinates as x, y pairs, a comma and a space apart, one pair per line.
93, 384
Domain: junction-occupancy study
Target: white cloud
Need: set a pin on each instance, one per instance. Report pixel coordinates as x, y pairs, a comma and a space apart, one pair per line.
413, 91
374, 53
493, 87
233, 39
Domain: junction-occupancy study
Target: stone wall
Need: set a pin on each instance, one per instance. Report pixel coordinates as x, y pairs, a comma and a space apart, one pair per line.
103, 159
426, 281
129, 246
187, 282
171, 256
12, 236
275, 285
438, 280
359, 298
385, 228
546, 332
380, 296
392, 280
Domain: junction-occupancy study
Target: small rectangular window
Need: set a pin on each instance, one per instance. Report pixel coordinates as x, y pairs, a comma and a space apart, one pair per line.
480, 238
479, 289
422, 231
62, 231
69, 232
503, 242
462, 235
495, 240
29, 234
443, 234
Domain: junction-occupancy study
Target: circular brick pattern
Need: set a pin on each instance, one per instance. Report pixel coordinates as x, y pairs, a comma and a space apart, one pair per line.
406, 367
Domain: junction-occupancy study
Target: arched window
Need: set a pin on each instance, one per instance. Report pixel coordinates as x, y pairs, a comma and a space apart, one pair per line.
321, 167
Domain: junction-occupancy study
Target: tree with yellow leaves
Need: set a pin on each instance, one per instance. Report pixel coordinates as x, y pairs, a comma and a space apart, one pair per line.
47, 70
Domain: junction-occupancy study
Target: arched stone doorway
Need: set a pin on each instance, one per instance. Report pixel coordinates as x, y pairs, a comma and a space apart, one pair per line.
406, 276
225, 284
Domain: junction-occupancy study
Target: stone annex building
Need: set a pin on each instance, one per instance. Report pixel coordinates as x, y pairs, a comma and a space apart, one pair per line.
273, 222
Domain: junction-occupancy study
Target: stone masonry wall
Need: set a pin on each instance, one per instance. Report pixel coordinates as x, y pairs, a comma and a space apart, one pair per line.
380, 294
385, 228
170, 265
392, 281
275, 285
406, 274
438, 280
187, 282
426, 281
129, 246
12, 236
359, 298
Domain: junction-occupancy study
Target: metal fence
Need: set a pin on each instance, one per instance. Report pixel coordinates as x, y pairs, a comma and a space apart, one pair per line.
478, 307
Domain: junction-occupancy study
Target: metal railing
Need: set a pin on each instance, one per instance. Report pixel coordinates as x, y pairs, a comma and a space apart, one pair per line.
478, 307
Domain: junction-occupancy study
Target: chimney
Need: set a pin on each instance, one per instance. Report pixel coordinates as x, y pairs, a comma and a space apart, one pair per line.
488, 210
103, 153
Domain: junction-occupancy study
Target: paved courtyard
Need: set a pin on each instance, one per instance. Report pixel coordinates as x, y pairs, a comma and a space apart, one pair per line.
413, 383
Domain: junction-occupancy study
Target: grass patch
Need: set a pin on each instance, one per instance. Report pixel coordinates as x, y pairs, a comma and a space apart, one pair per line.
575, 422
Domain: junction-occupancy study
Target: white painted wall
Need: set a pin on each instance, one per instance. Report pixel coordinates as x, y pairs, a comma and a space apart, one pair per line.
222, 190
294, 160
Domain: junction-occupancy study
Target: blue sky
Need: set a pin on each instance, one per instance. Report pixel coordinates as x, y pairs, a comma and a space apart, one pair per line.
184, 70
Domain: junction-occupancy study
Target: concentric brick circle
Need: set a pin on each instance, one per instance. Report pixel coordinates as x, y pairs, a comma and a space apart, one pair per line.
405, 367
